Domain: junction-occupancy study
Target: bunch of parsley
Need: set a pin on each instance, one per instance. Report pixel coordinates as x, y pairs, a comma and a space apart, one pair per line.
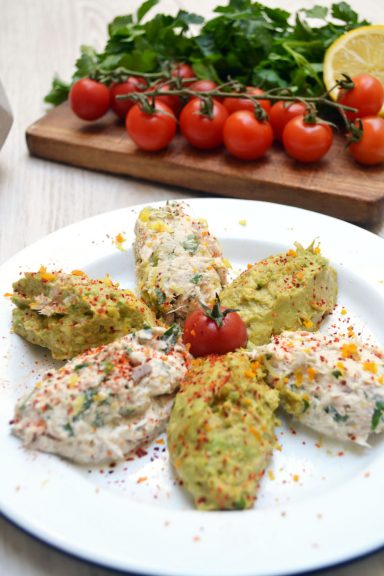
246, 41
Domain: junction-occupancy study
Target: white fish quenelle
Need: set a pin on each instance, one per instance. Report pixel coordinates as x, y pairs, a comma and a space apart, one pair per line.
178, 262
332, 384
105, 402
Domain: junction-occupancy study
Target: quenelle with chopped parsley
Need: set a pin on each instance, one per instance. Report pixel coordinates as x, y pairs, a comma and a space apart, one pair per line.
221, 431
70, 313
294, 290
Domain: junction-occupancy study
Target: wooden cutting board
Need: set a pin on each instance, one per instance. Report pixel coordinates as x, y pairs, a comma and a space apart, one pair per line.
336, 185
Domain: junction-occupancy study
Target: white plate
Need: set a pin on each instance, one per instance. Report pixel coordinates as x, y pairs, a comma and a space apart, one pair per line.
320, 502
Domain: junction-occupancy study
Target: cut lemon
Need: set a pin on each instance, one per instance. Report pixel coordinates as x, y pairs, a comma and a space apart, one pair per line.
360, 51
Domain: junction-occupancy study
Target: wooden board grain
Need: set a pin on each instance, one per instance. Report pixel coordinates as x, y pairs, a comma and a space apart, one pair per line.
336, 185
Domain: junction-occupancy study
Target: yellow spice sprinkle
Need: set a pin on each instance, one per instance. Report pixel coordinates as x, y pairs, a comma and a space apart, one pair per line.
298, 378
8, 294
291, 253
296, 477
348, 350
271, 475
311, 373
78, 273
242, 222
343, 311
316, 250
370, 367
47, 276
308, 323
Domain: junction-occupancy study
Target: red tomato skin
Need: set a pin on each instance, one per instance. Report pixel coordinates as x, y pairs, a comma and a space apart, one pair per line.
184, 71
200, 131
370, 149
205, 86
245, 137
367, 96
151, 132
89, 99
173, 102
307, 142
204, 336
235, 104
122, 107
281, 113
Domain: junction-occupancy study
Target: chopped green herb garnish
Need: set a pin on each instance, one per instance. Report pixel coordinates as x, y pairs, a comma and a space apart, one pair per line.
160, 296
377, 415
191, 244
171, 336
68, 428
335, 414
196, 278
336, 373
81, 366
305, 405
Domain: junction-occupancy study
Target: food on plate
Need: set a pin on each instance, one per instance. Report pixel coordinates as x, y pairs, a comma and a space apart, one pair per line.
332, 384
69, 313
290, 291
221, 431
106, 402
358, 51
215, 330
179, 263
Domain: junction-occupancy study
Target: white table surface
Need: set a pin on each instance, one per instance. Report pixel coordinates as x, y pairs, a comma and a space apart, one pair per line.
40, 38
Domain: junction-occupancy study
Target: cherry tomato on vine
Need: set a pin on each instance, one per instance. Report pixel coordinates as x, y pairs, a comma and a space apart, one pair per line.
203, 85
89, 99
215, 331
245, 136
173, 102
369, 150
307, 141
201, 130
132, 84
151, 131
235, 104
367, 96
184, 71
281, 113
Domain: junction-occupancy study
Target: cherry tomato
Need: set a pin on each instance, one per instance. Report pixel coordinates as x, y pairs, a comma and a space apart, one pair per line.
207, 334
307, 142
281, 113
89, 99
133, 84
183, 71
203, 85
201, 130
173, 102
367, 96
245, 136
370, 149
235, 104
151, 131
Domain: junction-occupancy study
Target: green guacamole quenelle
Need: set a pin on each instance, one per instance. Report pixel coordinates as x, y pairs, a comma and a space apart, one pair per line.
70, 313
221, 431
294, 290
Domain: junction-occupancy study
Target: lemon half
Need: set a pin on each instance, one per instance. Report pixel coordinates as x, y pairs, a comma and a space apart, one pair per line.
360, 51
